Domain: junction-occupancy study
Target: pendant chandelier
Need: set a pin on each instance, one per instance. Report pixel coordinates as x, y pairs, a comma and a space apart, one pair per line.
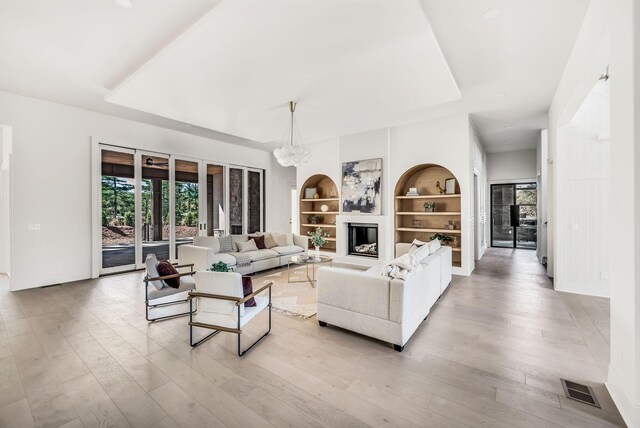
290, 154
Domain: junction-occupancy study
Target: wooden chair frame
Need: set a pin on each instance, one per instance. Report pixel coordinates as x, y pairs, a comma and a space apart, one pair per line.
148, 307
238, 331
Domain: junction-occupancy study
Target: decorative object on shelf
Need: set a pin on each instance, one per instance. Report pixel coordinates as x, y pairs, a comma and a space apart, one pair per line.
318, 239
314, 219
416, 223
309, 192
291, 154
413, 191
440, 189
450, 186
316, 195
361, 185
324, 208
429, 207
449, 225
443, 238
455, 242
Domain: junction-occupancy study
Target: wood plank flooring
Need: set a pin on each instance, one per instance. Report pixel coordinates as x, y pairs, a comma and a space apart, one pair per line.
490, 354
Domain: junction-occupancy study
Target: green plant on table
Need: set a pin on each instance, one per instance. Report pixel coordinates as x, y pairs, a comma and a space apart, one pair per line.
318, 237
219, 267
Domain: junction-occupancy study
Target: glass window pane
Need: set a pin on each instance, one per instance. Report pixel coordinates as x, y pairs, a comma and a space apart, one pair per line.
526, 196
502, 195
236, 210
255, 201
216, 218
118, 209
186, 202
155, 207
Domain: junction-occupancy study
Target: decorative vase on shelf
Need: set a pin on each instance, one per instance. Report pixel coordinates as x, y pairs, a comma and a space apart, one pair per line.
316, 195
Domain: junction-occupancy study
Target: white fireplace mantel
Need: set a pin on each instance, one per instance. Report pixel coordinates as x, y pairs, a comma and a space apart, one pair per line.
342, 239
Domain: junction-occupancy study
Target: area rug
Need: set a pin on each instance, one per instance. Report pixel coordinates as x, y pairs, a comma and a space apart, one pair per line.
297, 299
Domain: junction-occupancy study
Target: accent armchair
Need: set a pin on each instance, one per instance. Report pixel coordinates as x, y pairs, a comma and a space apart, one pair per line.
221, 306
158, 294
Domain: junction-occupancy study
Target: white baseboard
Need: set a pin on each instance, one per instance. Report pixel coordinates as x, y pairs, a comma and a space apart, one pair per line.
629, 411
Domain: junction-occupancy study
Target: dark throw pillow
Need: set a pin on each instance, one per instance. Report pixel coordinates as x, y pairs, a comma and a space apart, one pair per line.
247, 288
166, 268
259, 240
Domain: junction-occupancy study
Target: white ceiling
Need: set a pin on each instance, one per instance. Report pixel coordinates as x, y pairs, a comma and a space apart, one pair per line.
230, 66
349, 64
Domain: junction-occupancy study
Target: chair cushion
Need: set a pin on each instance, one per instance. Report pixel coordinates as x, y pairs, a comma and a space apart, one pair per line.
259, 255
187, 283
226, 244
151, 263
245, 247
231, 320
288, 249
227, 259
165, 268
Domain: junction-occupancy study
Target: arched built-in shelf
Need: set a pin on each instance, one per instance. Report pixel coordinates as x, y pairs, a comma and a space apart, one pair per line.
411, 219
328, 195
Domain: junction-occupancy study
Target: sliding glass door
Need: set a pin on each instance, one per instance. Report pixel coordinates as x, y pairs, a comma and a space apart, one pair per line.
514, 215
152, 203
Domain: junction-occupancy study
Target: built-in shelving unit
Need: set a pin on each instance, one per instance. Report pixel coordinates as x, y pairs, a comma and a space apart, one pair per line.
327, 195
412, 221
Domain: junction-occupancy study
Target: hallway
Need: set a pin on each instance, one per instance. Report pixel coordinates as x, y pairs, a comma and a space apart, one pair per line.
490, 354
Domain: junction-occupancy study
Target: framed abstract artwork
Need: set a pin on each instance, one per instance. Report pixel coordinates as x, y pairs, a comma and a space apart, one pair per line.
361, 187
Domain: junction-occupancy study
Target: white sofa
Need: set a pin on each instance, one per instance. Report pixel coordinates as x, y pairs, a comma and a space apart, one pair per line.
381, 307
205, 251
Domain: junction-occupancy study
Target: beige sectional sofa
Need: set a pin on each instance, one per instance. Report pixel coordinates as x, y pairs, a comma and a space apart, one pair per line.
379, 306
205, 251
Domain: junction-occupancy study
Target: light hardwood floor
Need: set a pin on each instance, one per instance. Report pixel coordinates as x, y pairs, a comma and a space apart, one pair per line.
490, 354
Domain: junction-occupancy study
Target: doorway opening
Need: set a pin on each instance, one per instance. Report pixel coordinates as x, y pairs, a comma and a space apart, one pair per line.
514, 215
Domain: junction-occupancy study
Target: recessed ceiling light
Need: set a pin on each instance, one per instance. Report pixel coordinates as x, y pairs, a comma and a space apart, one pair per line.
127, 4
491, 13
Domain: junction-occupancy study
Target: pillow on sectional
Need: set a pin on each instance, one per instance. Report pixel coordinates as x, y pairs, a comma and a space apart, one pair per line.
434, 245
226, 244
420, 250
269, 242
260, 242
280, 238
166, 268
244, 247
238, 238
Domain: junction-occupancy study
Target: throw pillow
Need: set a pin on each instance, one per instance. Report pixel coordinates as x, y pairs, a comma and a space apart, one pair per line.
226, 244
244, 247
280, 238
419, 249
434, 245
260, 242
166, 268
151, 263
238, 238
269, 242
247, 288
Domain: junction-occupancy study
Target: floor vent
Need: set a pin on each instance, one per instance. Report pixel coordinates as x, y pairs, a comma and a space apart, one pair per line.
579, 392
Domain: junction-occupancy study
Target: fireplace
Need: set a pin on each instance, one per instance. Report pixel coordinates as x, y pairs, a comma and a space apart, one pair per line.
363, 239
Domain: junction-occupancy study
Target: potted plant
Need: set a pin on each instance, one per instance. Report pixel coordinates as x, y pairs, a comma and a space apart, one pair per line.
219, 267
443, 238
429, 207
318, 239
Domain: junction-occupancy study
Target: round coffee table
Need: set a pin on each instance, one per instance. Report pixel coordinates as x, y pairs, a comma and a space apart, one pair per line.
308, 261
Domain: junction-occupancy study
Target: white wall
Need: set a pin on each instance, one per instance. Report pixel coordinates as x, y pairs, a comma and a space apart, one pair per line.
444, 142
5, 199
609, 35
52, 179
582, 190
510, 166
